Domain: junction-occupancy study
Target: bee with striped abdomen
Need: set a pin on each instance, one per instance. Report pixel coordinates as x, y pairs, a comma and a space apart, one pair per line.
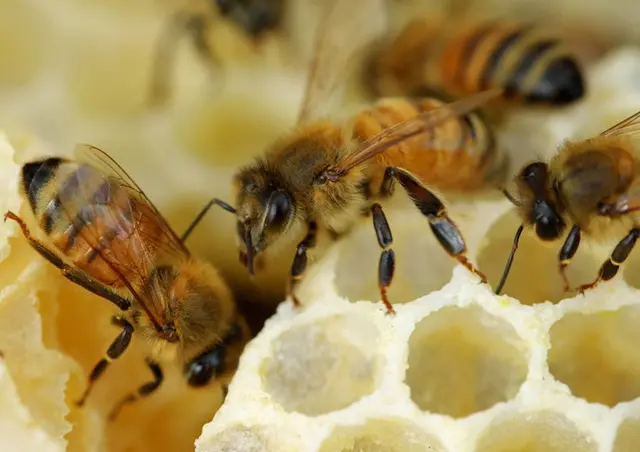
532, 65
590, 185
105, 235
328, 174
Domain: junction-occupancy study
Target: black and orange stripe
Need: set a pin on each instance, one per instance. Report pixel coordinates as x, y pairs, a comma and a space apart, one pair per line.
529, 63
66, 199
461, 154
532, 65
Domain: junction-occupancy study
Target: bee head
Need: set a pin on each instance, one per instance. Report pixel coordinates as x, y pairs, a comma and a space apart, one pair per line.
544, 211
266, 212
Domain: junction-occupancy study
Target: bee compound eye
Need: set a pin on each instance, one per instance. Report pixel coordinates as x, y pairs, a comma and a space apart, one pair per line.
200, 373
201, 370
278, 209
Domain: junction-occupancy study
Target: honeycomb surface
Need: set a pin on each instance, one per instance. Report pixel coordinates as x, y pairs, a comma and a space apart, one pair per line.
457, 370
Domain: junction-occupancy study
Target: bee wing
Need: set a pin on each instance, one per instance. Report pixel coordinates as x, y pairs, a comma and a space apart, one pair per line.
346, 28
626, 203
103, 202
417, 125
628, 126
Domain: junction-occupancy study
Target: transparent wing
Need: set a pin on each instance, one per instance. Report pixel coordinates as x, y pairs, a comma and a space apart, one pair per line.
346, 28
415, 126
626, 203
112, 215
628, 126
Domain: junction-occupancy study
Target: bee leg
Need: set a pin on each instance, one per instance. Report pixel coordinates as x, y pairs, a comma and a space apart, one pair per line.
197, 26
164, 53
299, 264
143, 391
611, 266
567, 252
215, 201
115, 350
72, 274
507, 267
445, 230
387, 262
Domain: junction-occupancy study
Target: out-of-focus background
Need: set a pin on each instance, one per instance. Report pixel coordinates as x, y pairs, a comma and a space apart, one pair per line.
80, 71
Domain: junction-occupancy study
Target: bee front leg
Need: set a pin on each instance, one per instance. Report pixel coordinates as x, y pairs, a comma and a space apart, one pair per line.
445, 230
611, 266
143, 391
512, 254
197, 25
115, 350
299, 264
163, 59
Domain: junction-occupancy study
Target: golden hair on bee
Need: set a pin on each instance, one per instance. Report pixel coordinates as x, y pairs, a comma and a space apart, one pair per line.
104, 234
328, 174
533, 65
591, 188
257, 19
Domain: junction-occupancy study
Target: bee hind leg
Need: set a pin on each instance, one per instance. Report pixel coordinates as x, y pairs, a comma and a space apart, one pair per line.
611, 266
72, 274
300, 260
115, 350
143, 391
444, 229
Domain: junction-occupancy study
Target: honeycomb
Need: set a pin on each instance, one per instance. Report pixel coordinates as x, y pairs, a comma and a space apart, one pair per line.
457, 369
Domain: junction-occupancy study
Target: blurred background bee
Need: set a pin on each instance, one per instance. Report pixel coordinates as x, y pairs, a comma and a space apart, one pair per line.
105, 235
532, 64
256, 19
591, 186
326, 175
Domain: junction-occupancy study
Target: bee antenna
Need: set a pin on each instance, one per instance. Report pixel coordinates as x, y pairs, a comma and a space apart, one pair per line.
510, 197
202, 213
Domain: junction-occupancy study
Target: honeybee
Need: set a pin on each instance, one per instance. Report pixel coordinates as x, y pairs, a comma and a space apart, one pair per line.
532, 66
105, 235
327, 175
591, 185
256, 18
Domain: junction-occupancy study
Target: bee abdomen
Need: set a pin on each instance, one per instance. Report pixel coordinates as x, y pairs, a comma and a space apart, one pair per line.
76, 206
36, 176
529, 64
460, 154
